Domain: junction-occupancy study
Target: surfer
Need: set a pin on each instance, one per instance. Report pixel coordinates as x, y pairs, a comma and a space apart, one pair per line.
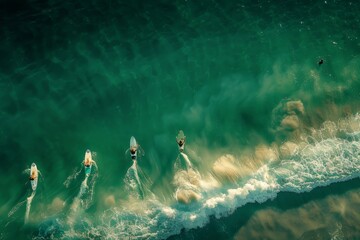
180, 139
34, 173
321, 61
88, 162
134, 149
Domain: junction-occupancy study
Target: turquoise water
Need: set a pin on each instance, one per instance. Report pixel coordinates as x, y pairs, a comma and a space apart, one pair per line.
242, 79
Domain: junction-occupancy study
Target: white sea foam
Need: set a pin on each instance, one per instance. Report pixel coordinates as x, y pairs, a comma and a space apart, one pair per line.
213, 202
327, 159
169, 211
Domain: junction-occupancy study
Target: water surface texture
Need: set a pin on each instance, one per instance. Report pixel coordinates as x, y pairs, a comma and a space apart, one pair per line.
265, 92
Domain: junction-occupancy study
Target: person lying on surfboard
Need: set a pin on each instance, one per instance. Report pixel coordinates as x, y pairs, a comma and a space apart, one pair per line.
133, 152
34, 174
88, 162
134, 149
180, 139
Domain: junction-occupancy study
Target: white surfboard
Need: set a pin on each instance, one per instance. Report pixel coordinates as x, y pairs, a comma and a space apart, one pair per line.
88, 156
133, 147
180, 139
33, 176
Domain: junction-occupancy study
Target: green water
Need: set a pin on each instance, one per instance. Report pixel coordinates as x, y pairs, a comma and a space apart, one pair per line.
89, 75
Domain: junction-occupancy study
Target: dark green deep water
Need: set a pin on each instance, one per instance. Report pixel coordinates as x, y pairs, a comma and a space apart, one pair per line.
77, 75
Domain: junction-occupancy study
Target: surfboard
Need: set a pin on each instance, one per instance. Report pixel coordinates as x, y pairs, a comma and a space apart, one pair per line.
34, 182
180, 139
133, 144
88, 170
88, 161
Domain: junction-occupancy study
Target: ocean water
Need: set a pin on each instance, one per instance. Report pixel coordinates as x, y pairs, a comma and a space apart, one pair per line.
266, 93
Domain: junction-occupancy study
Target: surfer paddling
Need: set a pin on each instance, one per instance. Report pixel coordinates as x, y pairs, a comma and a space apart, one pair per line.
134, 149
34, 174
180, 139
133, 152
88, 162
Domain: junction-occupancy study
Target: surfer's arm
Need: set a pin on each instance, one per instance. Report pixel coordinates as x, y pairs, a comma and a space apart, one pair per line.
141, 151
41, 176
93, 162
26, 171
127, 152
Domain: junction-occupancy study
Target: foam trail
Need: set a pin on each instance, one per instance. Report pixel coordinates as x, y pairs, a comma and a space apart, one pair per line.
72, 177
77, 201
28, 206
187, 180
133, 182
182, 162
189, 165
15, 208
137, 176
83, 187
